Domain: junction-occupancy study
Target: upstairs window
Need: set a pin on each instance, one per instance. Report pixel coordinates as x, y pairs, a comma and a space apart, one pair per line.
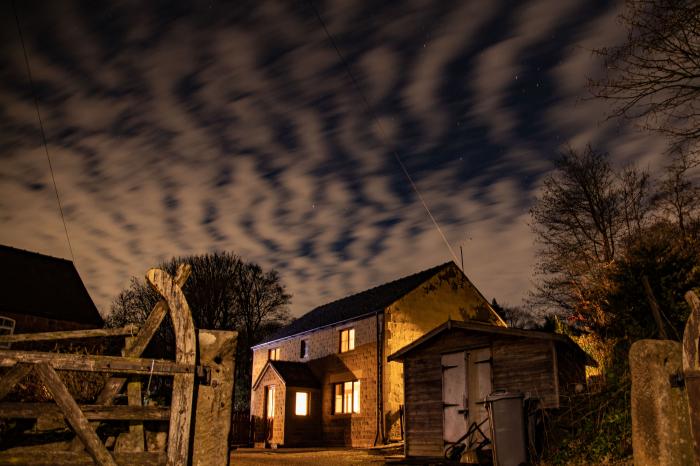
347, 397
304, 349
273, 354
347, 340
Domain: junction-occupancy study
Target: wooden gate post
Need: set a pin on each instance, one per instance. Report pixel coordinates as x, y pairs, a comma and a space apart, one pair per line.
185, 352
691, 368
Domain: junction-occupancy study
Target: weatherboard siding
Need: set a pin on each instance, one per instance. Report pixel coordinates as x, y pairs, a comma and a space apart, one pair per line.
532, 366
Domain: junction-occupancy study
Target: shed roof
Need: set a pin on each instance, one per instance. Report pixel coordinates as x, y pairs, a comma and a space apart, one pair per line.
357, 305
44, 286
493, 330
293, 374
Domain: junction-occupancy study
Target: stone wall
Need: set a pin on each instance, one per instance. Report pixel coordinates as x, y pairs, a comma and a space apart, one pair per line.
448, 295
257, 406
320, 343
330, 367
25, 323
660, 422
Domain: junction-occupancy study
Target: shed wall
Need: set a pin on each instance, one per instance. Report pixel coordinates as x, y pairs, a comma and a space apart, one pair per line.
519, 364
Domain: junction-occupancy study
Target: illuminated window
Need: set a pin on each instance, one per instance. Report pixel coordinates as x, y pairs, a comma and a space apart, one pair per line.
347, 340
347, 397
304, 350
270, 401
301, 407
273, 354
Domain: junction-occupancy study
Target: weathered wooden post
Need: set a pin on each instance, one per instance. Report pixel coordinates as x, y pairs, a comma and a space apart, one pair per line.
217, 350
691, 369
134, 439
185, 353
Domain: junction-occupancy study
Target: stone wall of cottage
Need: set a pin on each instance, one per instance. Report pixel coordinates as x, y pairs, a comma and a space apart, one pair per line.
320, 343
331, 367
257, 406
447, 295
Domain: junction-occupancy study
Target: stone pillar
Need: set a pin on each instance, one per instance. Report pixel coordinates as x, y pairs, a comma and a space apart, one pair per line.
660, 424
212, 420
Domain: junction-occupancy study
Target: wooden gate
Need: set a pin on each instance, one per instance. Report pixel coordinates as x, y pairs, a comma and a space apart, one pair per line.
85, 419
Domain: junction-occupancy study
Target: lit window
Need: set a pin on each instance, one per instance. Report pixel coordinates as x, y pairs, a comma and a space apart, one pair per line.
301, 407
347, 340
347, 397
270, 401
304, 350
273, 354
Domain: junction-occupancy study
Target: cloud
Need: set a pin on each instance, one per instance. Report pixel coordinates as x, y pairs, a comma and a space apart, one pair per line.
190, 129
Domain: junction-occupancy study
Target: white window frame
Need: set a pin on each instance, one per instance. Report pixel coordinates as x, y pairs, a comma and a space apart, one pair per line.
346, 397
270, 391
347, 340
302, 403
273, 354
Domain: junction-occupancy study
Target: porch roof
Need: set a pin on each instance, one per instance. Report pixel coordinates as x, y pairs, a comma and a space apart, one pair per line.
293, 374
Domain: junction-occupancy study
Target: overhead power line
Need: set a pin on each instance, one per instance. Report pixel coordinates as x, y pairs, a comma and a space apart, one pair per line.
378, 123
41, 127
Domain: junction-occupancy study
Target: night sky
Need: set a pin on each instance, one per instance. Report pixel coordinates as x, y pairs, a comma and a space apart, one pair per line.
178, 128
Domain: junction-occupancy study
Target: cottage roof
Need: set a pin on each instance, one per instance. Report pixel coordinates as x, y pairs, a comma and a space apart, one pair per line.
44, 286
493, 330
354, 306
293, 374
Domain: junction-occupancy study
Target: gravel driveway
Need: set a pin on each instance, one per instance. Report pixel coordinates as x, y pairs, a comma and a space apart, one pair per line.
292, 457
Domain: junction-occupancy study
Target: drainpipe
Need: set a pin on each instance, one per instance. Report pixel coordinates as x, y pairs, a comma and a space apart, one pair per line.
379, 437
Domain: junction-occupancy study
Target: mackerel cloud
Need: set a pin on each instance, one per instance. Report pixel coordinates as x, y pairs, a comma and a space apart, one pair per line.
178, 129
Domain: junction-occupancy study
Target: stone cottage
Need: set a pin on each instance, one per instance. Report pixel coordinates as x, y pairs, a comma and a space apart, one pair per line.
325, 379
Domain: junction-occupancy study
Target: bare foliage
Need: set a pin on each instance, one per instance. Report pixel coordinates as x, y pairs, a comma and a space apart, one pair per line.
224, 293
654, 77
679, 198
584, 215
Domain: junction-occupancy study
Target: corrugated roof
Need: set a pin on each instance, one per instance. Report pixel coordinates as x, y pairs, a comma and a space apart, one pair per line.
350, 307
44, 286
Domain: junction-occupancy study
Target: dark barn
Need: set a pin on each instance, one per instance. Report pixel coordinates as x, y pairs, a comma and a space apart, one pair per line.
43, 293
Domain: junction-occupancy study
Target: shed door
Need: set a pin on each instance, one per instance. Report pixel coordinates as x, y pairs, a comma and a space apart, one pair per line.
479, 370
454, 395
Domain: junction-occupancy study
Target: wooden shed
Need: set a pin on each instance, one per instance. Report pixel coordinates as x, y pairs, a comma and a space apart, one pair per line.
451, 370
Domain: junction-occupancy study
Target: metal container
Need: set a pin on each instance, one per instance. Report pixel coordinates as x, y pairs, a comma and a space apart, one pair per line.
507, 428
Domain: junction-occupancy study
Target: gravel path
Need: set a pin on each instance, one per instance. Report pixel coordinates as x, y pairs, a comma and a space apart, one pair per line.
250, 457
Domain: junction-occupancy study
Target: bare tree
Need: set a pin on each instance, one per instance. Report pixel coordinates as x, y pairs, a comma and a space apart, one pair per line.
679, 197
224, 293
654, 77
584, 215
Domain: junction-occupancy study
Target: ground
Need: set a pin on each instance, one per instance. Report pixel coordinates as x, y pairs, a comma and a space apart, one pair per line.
304, 457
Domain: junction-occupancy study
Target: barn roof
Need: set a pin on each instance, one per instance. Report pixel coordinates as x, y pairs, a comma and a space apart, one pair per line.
44, 286
493, 330
293, 374
357, 305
